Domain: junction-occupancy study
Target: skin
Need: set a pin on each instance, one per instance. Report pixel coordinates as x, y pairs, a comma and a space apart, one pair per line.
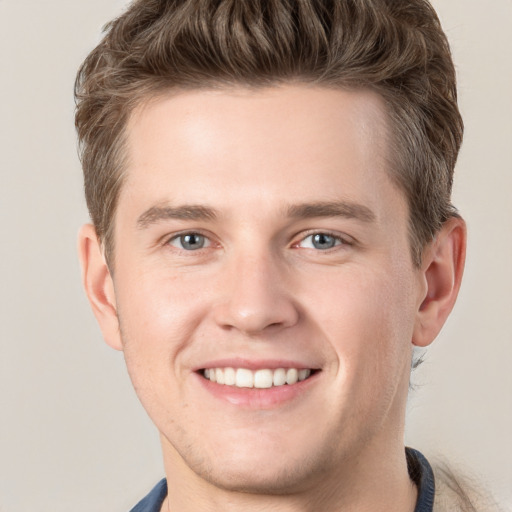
260, 291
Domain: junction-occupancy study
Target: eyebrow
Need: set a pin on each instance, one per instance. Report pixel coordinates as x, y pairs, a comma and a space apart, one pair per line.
156, 214
345, 209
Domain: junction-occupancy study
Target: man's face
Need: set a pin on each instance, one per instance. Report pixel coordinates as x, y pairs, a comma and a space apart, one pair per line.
259, 237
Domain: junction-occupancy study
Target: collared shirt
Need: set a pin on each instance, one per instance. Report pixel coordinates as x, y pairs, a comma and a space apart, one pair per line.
419, 470
422, 475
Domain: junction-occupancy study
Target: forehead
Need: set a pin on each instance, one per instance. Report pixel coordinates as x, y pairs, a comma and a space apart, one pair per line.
286, 141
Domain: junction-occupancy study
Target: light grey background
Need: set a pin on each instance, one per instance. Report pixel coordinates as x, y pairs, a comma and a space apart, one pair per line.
72, 434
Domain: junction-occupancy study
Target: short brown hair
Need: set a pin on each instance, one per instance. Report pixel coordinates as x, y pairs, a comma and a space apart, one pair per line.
395, 47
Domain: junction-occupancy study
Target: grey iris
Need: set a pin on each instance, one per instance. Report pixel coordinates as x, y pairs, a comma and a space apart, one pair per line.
193, 241
323, 241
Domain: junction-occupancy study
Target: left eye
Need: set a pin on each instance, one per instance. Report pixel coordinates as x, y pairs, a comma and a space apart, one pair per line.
190, 241
320, 241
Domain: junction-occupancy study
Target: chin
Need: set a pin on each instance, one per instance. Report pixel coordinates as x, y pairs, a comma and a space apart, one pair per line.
274, 479
258, 468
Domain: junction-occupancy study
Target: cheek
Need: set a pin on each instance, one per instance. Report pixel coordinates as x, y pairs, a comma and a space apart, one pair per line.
367, 317
156, 306
154, 330
157, 317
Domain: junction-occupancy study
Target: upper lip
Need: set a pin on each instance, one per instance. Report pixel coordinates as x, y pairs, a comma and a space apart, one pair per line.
255, 364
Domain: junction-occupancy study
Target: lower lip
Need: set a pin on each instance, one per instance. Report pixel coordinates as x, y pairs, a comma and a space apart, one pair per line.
257, 398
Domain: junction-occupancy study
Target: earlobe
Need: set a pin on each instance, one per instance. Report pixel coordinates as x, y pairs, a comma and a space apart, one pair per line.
98, 285
443, 266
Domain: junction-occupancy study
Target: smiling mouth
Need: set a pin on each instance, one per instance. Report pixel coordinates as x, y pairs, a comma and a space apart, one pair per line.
260, 379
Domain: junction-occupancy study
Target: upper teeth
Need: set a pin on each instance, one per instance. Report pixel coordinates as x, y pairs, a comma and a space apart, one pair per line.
245, 378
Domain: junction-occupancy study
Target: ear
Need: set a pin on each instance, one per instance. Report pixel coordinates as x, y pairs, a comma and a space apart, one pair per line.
442, 269
99, 285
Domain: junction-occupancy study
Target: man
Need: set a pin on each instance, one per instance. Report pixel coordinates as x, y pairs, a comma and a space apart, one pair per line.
269, 184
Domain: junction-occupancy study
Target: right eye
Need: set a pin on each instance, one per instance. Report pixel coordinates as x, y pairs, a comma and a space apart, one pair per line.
190, 241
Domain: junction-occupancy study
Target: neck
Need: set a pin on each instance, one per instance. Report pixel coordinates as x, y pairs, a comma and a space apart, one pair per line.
375, 480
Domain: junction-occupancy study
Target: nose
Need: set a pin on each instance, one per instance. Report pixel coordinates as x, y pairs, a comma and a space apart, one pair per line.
256, 296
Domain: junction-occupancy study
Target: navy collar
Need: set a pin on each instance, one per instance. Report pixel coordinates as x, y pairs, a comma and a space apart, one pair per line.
153, 501
422, 475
